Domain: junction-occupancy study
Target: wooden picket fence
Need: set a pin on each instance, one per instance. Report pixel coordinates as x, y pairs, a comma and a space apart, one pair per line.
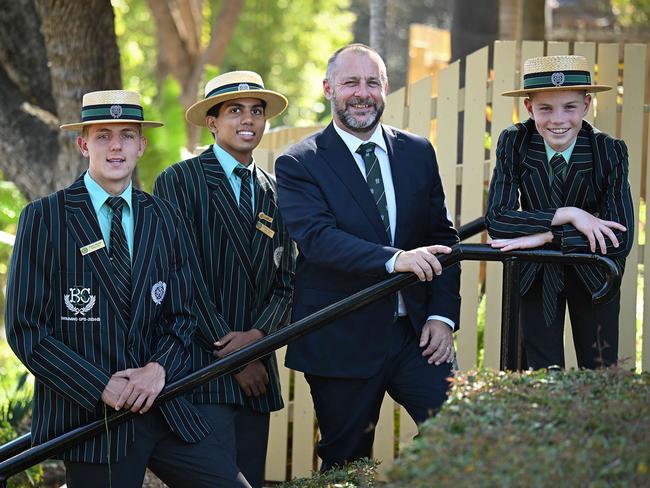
465, 171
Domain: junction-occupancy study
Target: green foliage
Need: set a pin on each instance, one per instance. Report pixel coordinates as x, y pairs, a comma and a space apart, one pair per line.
632, 13
360, 474
540, 429
16, 390
33, 476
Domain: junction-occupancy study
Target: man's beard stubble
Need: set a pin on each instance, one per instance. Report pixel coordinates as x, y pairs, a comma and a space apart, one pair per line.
350, 122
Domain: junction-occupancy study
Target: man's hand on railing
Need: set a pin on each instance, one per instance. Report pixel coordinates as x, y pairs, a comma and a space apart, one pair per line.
141, 389
437, 341
253, 379
421, 261
525, 242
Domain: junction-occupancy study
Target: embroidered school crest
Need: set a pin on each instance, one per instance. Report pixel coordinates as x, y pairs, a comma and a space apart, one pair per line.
243, 86
116, 111
79, 300
277, 256
557, 78
158, 292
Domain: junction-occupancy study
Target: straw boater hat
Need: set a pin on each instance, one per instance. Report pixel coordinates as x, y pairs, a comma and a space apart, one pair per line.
236, 84
556, 73
111, 107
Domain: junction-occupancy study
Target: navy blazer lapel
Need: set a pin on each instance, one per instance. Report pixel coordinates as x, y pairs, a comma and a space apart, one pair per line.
338, 157
536, 182
401, 174
264, 203
146, 232
83, 225
223, 201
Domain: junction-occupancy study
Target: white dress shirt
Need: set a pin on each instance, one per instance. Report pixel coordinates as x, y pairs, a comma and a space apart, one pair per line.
381, 151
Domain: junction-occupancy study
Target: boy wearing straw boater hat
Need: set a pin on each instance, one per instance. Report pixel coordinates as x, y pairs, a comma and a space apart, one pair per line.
243, 263
561, 183
99, 310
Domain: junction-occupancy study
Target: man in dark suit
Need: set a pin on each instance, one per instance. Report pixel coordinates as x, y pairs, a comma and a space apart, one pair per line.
571, 182
99, 308
242, 262
363, 200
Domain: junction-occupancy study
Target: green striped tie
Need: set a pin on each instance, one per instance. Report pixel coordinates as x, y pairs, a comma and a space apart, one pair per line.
375, 182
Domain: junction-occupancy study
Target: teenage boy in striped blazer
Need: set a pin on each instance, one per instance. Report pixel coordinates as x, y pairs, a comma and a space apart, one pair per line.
99, 309
571, 182
243, 263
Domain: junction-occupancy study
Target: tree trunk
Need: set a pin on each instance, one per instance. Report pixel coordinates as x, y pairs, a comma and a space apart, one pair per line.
180, 53
53, 51
378, 26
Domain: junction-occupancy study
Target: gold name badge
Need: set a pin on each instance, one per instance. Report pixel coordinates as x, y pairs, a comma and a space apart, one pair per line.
265, 230
263, 216
95, 246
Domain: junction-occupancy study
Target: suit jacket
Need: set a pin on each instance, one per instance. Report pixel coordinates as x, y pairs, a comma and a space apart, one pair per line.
596, 181
343, 247
239, 285
63, 321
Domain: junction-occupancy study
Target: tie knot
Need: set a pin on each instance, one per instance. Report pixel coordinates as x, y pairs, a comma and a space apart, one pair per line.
557, 162
243, 173
115, 203
366, 148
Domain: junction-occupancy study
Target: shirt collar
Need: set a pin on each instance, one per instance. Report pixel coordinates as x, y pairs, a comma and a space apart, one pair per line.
98, 195
566, 154
353, 142
228, 163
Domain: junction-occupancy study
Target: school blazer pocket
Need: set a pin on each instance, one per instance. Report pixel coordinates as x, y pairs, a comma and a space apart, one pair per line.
77, 307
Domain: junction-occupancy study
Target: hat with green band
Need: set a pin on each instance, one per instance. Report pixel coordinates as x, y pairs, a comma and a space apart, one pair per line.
236, 84
548, 73
111, 107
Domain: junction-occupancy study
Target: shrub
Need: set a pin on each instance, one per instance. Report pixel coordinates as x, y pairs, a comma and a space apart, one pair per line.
27, 479
537, 429
360, 474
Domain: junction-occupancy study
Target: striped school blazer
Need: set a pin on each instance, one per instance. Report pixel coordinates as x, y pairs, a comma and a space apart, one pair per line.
239, 285
63, 321
596, 181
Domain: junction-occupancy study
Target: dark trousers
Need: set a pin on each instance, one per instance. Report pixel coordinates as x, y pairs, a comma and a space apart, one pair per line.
594, 327
245, 433
348, 408
178, 464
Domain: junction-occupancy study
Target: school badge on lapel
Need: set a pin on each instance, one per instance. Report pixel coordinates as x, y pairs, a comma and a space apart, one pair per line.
277, 256
158, 292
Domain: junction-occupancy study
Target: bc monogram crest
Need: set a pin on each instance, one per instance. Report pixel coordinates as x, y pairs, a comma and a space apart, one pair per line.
79, 300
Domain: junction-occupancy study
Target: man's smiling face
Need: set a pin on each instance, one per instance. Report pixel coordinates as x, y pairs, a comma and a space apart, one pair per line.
558, 115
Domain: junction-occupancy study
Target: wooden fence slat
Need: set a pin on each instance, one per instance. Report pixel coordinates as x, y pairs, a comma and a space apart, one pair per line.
447, 133
302, 452
606, 101
557, 48
420, 107
384, 437
471, 195
502, 111
276, 456
634, 79
529, 49
395, 111
588, 50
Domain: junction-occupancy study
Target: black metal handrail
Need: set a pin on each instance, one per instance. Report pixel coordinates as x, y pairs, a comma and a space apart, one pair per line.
266, 345
23, 442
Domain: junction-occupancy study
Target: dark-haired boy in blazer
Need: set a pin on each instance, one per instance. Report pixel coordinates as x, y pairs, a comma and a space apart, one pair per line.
571, 182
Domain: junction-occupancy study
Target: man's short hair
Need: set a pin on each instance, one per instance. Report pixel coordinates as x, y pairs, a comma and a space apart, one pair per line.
86, 128
356, 47
530, 96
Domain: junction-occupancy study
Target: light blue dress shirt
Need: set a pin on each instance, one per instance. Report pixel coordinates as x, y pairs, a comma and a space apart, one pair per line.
98, 197
381, 151
228, 163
